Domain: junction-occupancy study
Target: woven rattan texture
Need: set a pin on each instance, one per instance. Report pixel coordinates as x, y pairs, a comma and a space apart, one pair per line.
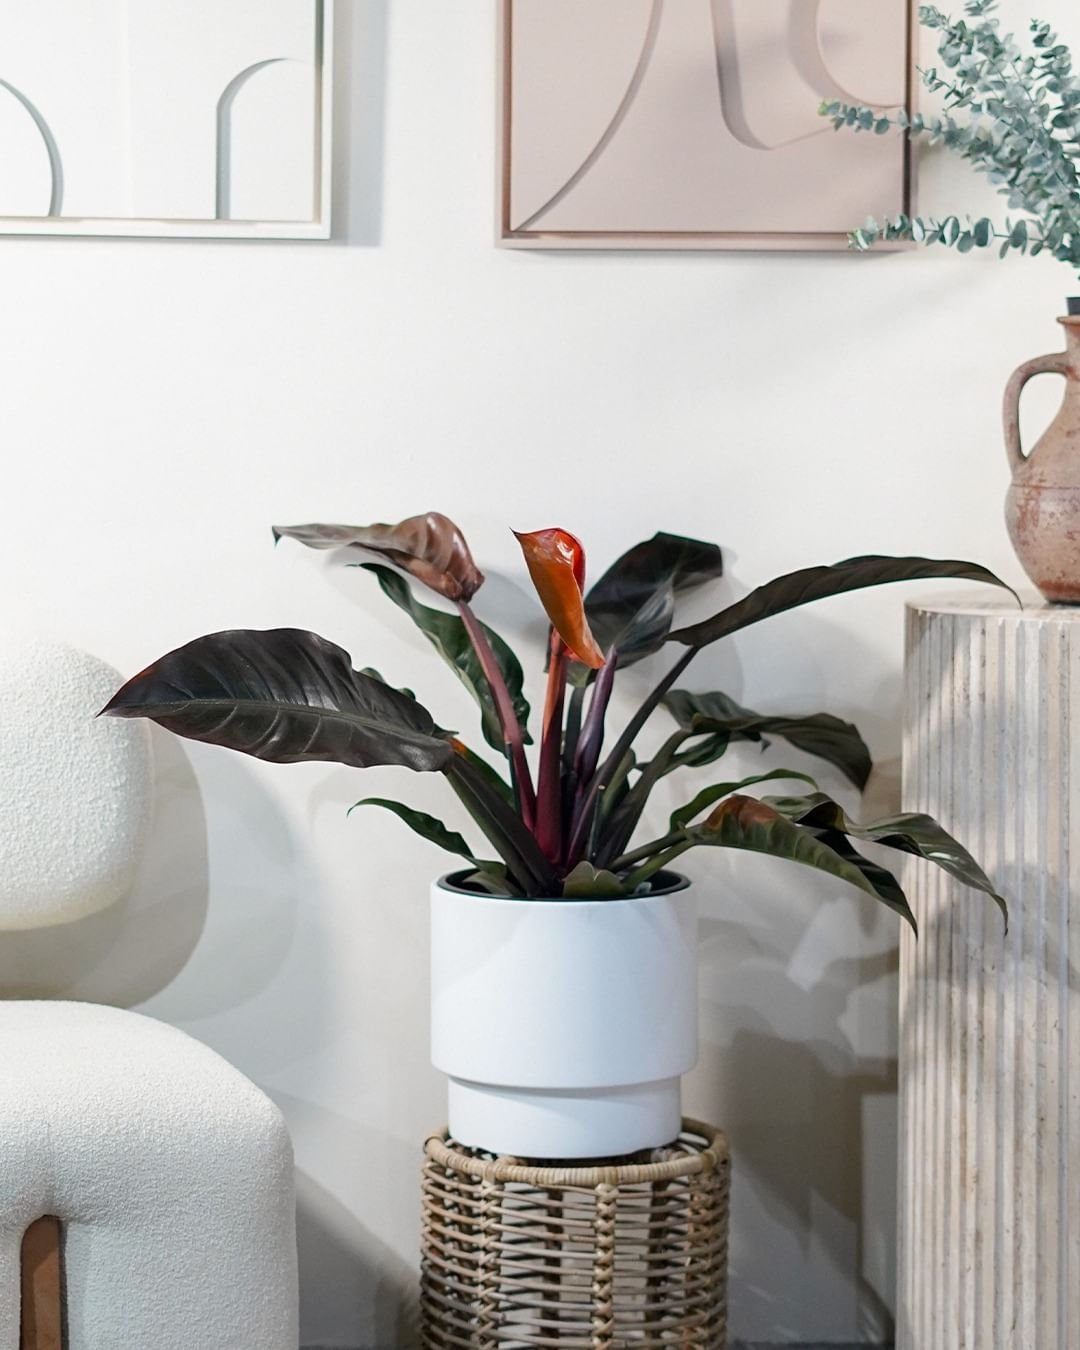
627, 1252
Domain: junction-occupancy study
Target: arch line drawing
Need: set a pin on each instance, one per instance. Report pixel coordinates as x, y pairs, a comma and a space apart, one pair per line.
56, 167
223, 190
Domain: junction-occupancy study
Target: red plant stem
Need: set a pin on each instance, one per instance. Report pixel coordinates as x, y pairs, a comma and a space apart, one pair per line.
600, 779
549, 781
511, 728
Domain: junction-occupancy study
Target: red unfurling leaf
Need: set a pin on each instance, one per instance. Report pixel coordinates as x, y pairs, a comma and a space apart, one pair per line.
556, 563
430, 547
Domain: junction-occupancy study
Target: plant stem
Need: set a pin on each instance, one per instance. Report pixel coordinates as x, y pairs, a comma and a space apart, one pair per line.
646, 851
549, 782
573, 721
622, 745
592, 732
502, 827
654, 865
625, 820
511, 728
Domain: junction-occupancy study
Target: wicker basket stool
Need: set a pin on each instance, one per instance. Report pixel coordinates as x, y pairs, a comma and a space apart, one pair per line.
627, 1252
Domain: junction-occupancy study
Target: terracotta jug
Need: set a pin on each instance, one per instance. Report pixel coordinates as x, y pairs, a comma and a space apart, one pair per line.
1042, 509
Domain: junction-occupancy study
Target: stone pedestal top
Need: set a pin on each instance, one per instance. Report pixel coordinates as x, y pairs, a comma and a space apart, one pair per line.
989, 602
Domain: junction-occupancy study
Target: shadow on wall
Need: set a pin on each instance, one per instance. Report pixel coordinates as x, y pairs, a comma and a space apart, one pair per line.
354, 1290
359, 119
127, 953
165, 949
795, 1109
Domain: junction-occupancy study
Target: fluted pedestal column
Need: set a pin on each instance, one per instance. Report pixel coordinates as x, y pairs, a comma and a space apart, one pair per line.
989, 1023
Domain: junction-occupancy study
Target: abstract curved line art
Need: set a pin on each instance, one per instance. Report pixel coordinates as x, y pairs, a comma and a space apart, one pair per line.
694, 123
803, 49
804, 43
224, 131
648, 46
56, 168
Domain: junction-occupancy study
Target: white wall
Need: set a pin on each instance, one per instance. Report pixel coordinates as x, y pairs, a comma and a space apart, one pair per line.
163, 403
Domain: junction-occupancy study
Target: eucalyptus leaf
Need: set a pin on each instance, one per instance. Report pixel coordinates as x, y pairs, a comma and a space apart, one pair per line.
448, 635
1013, 114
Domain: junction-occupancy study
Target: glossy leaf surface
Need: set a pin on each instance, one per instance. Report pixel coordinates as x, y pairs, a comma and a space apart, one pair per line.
820, 734
818, 583
742, 822
913, 833
502, 827
631, 608
429, 547
448, 635
716, 791
586, 882
556, 563
284, 695
427, 827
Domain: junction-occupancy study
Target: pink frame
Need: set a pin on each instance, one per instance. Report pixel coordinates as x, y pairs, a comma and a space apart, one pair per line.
506, 237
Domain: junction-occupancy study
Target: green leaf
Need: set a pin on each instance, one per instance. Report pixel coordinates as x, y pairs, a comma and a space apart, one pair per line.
630, 609
745, 823
494, 780
888, 888
587, 882
448, 635
283, 695
503, 828
914, 833
427, 827
493, 878
707, 796
820, 734
374, 674
818, 583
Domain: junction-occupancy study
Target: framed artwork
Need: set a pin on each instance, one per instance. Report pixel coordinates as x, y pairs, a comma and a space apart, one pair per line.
184, 118
694, 123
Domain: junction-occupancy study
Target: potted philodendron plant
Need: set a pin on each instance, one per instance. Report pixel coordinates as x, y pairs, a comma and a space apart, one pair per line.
1014, 115
564, 973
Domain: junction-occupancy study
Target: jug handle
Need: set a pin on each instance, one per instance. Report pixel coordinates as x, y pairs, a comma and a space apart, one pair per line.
1057, 363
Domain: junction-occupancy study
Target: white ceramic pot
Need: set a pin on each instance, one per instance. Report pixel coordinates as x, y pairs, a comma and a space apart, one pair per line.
564, 1026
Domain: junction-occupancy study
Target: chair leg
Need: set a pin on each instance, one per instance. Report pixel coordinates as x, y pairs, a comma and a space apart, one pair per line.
42, 1326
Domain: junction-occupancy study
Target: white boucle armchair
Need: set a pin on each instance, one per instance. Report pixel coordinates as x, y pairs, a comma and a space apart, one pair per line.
169, 1172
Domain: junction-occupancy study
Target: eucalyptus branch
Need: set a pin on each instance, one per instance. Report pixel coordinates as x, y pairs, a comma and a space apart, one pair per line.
1024, 112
